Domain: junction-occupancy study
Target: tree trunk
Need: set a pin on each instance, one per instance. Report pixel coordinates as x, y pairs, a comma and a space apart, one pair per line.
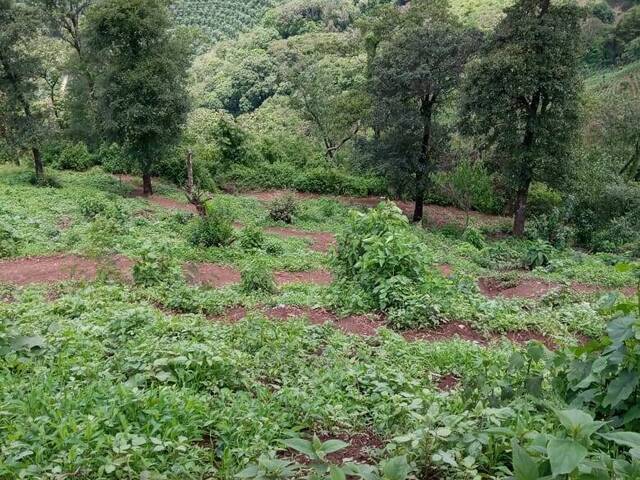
418, 211
426, 110
147, 188
520, 214
39, 167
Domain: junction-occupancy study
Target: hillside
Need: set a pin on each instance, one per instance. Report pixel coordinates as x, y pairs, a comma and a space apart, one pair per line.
221, 18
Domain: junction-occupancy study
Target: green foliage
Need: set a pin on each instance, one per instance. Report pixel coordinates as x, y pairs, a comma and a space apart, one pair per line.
141, 94
68, 156
113, 159
257, 278
156, 266
220, 19
538, 254
283, 208
535, 52
215, 229
474, 237
468, 186
9, 242
603, 12
543, 199
251, 238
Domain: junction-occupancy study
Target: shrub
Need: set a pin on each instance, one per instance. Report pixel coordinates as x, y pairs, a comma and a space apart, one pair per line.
251, 238
68, 156
468, 186
257, 278
156, 266
474, 237
283, 208
542, 199
538, 254
92, 206
113, 159
603, 12
8, 242
46, 182
552, 228
273, 247
213, 230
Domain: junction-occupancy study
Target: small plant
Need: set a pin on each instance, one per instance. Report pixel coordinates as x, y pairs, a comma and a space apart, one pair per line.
257, 278
156, 266
538, 254
474, 237
251, 238
273, 247
90, 207
269, 468
283, 208
215, 229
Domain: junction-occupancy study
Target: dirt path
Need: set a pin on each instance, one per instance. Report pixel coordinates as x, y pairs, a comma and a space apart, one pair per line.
218, 276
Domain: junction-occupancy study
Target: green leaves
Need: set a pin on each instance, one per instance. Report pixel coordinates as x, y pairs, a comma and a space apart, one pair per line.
315, 449
565, 455
626, 439
621, 388
524, 466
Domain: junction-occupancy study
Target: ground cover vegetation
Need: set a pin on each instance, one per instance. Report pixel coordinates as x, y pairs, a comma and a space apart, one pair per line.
319, 239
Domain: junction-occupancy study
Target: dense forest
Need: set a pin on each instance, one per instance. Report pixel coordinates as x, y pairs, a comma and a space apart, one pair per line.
269, 239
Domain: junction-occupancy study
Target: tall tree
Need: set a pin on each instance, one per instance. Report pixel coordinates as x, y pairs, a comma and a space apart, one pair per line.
19, 71
140, 89
522, 94
413, 73
325, 73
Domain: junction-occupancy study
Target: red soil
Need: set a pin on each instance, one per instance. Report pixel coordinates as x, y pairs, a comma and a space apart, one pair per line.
525, 336
361, 448
354, 324
211, 274
318, 277
449, 382
445, 269
526, 288
588, 289
58, 268
320, 241
218, 276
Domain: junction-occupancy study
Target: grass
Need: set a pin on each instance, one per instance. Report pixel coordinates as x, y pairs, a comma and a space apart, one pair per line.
126, 381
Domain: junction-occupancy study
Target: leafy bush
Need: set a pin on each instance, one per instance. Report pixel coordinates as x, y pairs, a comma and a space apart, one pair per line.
552, 227
257, 278
8, 242
329, 181
113, 159
474, 237
539, 254
603, 12
468, 186
251, 238
68, 156
283, 209
215, 229
156, 266
90, 207
542, 199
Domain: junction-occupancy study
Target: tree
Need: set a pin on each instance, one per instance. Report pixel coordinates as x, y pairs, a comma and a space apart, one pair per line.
522, 94
140, 89
19, 72
412, 76
326, 75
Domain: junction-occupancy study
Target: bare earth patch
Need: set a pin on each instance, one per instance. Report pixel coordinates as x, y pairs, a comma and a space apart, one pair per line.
447, 383
218, 276
445, 269
58, 268
320, 241
525, 288
361, 449
317, 277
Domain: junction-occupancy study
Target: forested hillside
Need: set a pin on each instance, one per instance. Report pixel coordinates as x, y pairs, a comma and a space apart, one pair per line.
320, 239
